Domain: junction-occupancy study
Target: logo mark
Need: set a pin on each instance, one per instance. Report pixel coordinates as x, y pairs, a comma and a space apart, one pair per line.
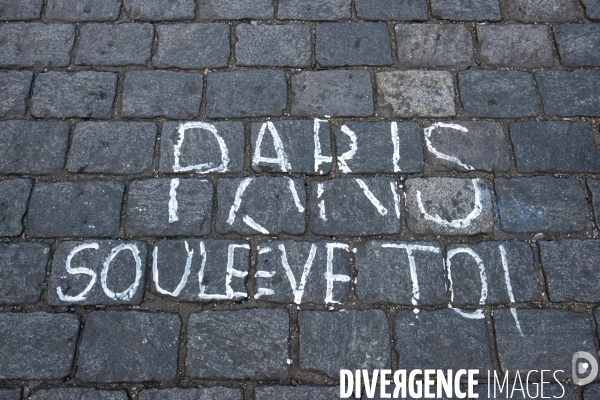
580, 367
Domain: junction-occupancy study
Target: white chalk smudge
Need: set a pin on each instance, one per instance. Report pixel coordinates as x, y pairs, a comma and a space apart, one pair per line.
319, 158
380, 208
511, 296
200, 168
173, 217
297, 202
298, 289
478, 314
350, 153
282, 158
396, 142
329, 275
76, 271
184, 278
438, 154
128, 293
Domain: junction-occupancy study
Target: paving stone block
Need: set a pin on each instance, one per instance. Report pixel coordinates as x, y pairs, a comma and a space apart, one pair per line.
385, 273
296, 392
572, 269
79, 394
509, 270
591, 392
334, 93
555, 146
160, 10
169, 94
567, 94
199, 146
236, 9
466, 10
123, 44
265, 205
592, 10
434, 46
448, 206
169, 207
112, 147
192, 46
29, 147
76, 267
20, 9
347, 339
397, 10
14, 194
381, 147
498, 94
355, 207
294, 138
10, 394
244, 344
547, 339
542, 10
35, 45
22, 272
524, 391
129, 346
353, 43
594, 186
517, 46
314, 10
86, 94
207, 263
441, 339
273, 45
542, 204
578, 44
75, 209
284, 265
212, 393
37, 345
409, 94
83, 10
237, 94
14, 86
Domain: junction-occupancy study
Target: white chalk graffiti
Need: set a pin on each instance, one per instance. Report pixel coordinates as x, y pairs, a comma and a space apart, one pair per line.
477, 314
76, 271
200, 168
343, 166
319, 158
282, 158
438, 154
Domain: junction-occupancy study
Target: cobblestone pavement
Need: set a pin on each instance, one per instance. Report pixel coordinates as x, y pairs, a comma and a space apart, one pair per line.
234, 199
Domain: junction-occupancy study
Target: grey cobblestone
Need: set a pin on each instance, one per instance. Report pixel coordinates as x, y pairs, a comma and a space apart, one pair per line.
15, 87
517, 46
212, 393
296, 392
159, 10
22, 272
542, 10
592, 10
577, 44
79, 394
466, 10
398, 10
273, 45
83, 10
314, 10
10, 394
236, 9
594, 186
20, 9
14, 194
591, 392
566, 94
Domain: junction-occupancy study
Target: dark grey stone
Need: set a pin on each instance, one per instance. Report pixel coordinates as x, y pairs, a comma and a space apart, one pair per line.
466, 275
212, 393
466, 10
375, 147
148, 94
498, 94
314, 10
169, 207
397, 10
37, 345
353, 43
86, 94
572, 269
273, 45
75, 209
199, 151
123, 44
129, 346
483, 146
409, 94
14, 86
578, 44
384, 274
83, 10
441, 339
524, 391
298, 144
280, 258
22, 272
122, 263
10, 394
14, 194
79, 394
542, 204
160, 10
334, 93
208, 261
20, 9
594, 186
112, 147
434, 46
342, 207
448, 206
35, 45
547, 339
555, 146
567, 94
517, 46
29, 147
591, 392
192, 46
237, 94
268, 206
236, 9
244, 344
592, 10
347, 339
296, 392
542, 10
